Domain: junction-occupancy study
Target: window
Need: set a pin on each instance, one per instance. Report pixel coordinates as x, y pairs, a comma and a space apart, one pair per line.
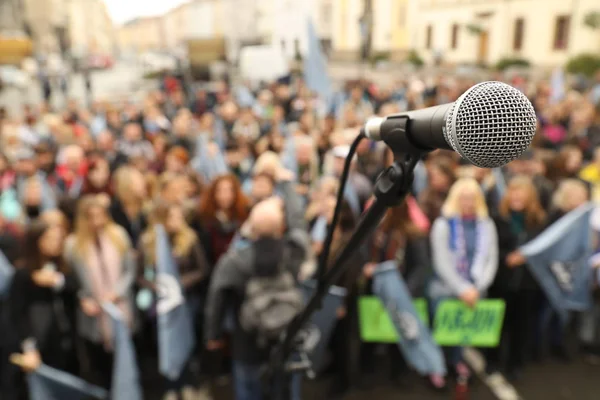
428, 36
561, 32
518, 34
454, 37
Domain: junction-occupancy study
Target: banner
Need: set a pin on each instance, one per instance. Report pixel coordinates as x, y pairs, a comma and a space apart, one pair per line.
456, 324
6, 273
558, 260
376, 326
47, 383
176, 335
415, 342
320, 327
315, 66
125, 374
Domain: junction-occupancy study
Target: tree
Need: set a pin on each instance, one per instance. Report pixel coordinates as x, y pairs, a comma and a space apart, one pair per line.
592, 20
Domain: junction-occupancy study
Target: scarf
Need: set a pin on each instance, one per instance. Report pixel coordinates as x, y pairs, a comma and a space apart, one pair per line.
458, 245
104, 264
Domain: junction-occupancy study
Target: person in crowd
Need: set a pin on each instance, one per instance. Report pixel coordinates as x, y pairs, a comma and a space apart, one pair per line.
71, 171
278, 238
307, 160
246, 126
100, 252
127, 206
177, 160
42, 301
344, 342
562, 340
223, 210
570, 194
182, 132
591, 175
98, 178
440, 177
464, 247
194, 272
566, 165
398, 238
133, 144
519, 219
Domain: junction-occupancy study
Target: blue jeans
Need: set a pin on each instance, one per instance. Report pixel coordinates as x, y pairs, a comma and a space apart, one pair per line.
248, 384
453, 354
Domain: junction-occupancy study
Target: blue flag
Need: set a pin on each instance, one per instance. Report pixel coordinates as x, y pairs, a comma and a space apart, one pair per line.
176, 336
6, 273
558, 259
322, 322
557, 86
208, 166
416, 342
125, 374
315, 66
47, 383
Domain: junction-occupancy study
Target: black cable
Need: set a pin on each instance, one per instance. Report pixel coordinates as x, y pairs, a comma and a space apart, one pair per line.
324, 256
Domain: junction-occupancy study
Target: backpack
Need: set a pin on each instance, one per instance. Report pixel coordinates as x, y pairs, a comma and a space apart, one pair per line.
271, 303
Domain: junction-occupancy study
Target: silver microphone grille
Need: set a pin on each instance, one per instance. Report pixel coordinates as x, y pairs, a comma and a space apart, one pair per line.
491, 124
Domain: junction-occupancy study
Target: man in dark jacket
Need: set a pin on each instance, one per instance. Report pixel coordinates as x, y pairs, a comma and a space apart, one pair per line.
277, 228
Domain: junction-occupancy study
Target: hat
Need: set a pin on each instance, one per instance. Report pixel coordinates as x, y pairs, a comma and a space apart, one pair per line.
341, 151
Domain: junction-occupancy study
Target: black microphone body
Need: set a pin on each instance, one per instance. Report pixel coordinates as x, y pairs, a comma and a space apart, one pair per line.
489, 125
423, 129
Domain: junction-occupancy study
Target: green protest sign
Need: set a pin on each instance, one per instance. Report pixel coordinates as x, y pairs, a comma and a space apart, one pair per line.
376, 326
456, 324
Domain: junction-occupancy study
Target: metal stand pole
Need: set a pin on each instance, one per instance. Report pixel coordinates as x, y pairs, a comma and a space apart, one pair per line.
391, 188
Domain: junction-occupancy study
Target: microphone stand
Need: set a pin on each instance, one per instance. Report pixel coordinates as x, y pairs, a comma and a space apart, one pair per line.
392, 186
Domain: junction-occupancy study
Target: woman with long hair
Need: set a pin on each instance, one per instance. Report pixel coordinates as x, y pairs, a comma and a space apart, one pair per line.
97, 180
100, 252
440, 177
194, 271
520, 218
42, 301
223, 210
127, 207
464, 247
397, 238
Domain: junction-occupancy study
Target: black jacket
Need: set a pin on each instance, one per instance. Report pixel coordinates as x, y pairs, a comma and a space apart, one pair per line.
517, 278
134, 228
45, 315
233, 272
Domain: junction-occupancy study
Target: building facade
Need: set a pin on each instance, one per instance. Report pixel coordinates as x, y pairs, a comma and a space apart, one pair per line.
141, 35
90, 28
46, 23
545, 32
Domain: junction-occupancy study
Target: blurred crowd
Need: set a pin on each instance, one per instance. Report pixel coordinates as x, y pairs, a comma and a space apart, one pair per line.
244, 179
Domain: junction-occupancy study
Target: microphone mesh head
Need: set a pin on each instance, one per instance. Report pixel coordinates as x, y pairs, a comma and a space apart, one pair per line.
491, 124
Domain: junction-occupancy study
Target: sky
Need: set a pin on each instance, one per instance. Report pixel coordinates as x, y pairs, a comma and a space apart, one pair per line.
124, 10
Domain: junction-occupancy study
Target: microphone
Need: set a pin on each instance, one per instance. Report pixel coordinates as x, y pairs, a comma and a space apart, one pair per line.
489, 125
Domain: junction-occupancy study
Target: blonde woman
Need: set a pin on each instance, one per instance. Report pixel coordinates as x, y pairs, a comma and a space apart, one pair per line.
571, 193
99, 251
464, 245
194, 271
127, 207
186, 249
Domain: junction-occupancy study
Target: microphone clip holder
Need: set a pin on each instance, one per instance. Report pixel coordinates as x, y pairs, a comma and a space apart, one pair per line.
391, 188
